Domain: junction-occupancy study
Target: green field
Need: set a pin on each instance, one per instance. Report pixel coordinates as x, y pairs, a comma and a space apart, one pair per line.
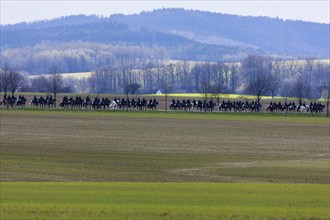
164, 201
163, 165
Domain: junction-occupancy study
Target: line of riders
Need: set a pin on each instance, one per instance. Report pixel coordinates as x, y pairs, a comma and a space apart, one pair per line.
10, 101
209, 105
80, 103
151, 104
106, 103
241, 106
313, 107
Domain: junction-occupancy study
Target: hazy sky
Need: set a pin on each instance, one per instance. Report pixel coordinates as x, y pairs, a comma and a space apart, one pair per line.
13, 11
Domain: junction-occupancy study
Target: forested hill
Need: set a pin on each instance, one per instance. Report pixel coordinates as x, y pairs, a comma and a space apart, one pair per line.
289, 37
84, 43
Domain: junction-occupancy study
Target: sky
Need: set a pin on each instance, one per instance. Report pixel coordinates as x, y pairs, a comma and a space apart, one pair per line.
14, 11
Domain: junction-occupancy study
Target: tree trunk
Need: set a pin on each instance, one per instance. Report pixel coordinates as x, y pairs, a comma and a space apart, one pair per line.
127, 101
55, 100
165, 102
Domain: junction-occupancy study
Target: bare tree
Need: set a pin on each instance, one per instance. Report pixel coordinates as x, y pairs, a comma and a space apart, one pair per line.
216, 91
258, 86
206, 90
285, 88
132, 88
217, 86
234, 70
183, 72
325, 94
257, 70
166, 85
82, 85
15, 81
205, 84
196, 72
4, 79
55, 82
148, 76
308, 71
321, 76
300, 88
325, 88
39, 84
171, 72
275, 77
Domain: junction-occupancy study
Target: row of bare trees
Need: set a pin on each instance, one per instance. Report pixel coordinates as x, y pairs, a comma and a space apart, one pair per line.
256, 75
300, 79
182, 76
12, 81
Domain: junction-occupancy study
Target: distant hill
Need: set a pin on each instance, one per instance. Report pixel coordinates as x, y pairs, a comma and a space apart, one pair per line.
296, 38
84, 43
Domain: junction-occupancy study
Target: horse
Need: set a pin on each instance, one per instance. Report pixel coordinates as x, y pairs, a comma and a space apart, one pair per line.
304, 108
21, 101
152, 104
8, 101
113, 105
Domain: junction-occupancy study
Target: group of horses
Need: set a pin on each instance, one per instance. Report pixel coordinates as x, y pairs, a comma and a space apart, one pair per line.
10, 101
205, 105
240, 106
105, 103
143, 104
210, 105
244, 106
47, 102
313, 107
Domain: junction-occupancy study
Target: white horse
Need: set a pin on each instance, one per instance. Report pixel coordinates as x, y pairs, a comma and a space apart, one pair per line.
304, 108
114, 105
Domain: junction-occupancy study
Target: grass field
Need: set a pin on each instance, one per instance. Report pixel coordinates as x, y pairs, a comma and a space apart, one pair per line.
266, 160
164, 201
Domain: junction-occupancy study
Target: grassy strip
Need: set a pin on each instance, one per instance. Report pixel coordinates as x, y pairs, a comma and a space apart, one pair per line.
124, 200
243, 116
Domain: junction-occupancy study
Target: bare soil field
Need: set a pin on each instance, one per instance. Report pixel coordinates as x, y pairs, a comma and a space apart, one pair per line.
64, 145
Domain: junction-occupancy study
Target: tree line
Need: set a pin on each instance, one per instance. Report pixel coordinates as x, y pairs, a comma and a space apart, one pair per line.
256, 75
